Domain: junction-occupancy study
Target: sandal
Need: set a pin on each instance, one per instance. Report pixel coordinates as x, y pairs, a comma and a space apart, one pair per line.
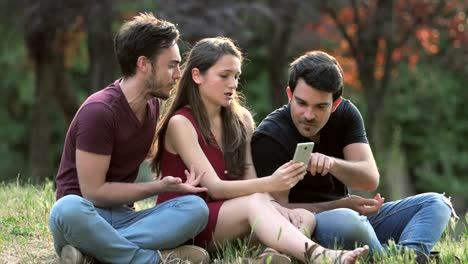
434, 256
337, 256
269, 256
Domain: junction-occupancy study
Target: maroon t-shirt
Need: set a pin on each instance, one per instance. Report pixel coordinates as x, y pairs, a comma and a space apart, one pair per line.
105, 124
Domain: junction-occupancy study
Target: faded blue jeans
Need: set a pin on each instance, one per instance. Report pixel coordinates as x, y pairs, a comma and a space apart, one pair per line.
416, 222
122, 235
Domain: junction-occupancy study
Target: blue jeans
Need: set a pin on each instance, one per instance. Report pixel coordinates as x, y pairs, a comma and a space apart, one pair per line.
122, 235
416, 222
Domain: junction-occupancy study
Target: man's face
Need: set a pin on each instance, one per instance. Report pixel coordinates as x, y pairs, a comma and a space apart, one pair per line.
164, 73
310, 108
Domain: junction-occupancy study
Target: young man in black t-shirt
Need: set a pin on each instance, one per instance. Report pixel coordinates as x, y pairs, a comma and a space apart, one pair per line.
342, 158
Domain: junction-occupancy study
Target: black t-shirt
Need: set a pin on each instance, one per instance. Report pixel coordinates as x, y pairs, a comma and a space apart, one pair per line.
275, 140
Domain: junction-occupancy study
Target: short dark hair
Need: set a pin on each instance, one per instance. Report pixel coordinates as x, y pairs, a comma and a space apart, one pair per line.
144, 35
319, 70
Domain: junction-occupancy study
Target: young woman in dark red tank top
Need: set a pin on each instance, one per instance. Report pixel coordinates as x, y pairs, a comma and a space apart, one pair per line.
207, 130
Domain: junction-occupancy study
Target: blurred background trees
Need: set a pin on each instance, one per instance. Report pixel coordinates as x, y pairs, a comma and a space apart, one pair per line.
405, 64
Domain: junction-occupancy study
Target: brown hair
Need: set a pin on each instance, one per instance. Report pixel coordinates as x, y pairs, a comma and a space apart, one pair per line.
144, 35
203, 56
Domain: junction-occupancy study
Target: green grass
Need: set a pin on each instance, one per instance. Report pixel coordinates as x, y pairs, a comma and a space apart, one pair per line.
25, 238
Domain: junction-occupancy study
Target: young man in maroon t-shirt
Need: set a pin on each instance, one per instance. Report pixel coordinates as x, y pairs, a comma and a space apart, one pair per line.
106, 142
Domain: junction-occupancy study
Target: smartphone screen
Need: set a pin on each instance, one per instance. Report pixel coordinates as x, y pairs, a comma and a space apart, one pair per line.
303, 151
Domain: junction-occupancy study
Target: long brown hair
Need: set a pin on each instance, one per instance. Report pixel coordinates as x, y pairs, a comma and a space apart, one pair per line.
203, 56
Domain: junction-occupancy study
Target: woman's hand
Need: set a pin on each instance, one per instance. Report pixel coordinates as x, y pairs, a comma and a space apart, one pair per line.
287, 176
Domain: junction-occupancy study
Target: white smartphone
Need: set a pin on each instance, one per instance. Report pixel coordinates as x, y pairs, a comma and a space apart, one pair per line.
303, 151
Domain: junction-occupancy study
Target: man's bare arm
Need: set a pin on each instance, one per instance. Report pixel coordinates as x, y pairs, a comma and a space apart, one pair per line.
362, 205
282, 199
92, 169
357, 170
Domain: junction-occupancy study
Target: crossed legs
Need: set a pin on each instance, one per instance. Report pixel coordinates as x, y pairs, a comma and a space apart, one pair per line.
238, 216
121, 235
405, 221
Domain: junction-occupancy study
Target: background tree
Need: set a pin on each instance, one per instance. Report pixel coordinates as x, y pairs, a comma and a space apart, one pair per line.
379, 35
375, 31
54, 32
99, 17
47, 24
16, 80
264, 30
398, 56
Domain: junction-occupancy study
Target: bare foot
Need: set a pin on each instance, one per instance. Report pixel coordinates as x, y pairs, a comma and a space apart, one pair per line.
338, 256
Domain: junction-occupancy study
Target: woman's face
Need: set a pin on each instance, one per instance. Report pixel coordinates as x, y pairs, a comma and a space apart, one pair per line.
219, 83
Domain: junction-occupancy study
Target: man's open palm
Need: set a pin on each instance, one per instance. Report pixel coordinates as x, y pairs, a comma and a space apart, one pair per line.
175, 184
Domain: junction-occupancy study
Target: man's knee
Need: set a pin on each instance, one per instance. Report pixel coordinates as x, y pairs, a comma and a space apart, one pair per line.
198, 208
441, 206
70, 209
343, 223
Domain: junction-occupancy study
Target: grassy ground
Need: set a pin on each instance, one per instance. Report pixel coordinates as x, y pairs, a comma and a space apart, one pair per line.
25, 238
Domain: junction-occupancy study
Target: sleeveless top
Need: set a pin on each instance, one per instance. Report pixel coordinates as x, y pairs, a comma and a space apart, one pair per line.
172, 164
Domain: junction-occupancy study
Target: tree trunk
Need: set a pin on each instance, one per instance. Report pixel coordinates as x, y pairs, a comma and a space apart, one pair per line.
99, 17
278, 49
46, 23
396, 172
65, 96
377, 26
276, 82
40, 146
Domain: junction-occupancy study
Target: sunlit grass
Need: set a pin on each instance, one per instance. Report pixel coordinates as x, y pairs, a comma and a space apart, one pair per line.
25, 237
24, 233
